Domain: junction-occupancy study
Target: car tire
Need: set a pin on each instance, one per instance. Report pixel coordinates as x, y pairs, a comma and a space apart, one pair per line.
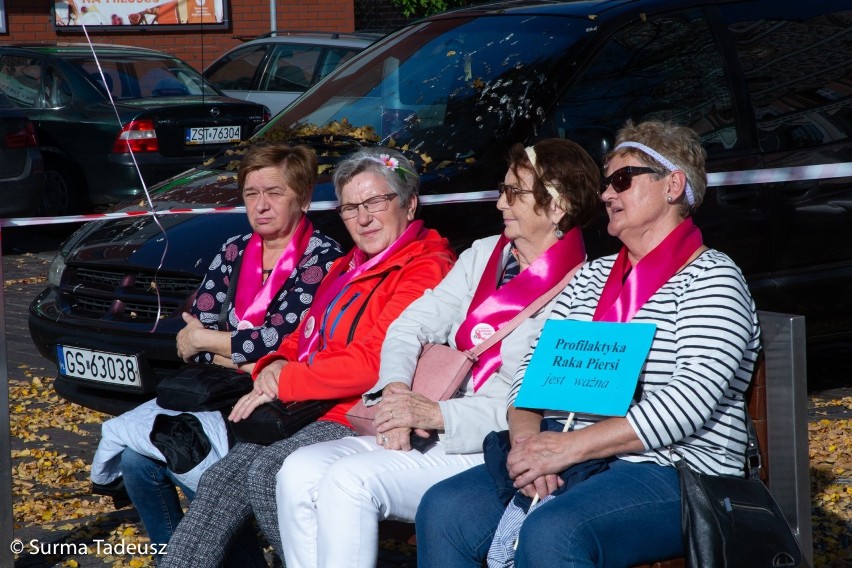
61, 194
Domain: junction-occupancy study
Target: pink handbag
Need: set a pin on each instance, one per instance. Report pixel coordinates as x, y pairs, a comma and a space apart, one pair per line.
439, 373
441, 369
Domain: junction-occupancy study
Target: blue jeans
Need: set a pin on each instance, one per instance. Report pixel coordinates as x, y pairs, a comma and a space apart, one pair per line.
627, 515
152, 488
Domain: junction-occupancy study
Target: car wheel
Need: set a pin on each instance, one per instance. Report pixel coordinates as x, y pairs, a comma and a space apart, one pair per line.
60, 191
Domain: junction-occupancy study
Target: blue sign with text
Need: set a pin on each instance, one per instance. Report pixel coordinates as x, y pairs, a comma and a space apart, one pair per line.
589, 367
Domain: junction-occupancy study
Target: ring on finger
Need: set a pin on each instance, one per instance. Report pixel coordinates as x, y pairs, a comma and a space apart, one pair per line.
384, 439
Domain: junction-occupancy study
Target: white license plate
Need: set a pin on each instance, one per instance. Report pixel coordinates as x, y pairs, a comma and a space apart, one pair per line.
213, 135
98, 366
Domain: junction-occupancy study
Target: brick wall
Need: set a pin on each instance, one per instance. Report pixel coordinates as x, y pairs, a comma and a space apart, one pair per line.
379, 15
30, 20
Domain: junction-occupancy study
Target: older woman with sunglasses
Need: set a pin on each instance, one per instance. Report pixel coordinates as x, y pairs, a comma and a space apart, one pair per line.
331, 496
333, 355
689, 396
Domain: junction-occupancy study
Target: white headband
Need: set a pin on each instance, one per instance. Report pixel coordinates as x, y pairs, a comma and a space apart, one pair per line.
690, 195
551, 189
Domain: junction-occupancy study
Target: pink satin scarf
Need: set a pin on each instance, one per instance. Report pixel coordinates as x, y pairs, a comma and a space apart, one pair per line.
344, 273
253, 295
493, 307
623, 297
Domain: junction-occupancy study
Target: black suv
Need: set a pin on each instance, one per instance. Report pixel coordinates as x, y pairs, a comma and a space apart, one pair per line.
766, 84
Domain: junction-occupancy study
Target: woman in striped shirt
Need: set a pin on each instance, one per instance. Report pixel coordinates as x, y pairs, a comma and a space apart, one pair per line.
624, 507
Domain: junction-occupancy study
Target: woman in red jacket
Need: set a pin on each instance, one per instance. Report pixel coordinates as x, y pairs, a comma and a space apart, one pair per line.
333, 355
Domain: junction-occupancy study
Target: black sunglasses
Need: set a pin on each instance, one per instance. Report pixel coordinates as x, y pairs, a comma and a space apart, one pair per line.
622, 178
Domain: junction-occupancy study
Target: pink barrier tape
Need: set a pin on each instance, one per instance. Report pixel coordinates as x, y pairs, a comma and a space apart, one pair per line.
315, 206
716, 179
778, 175
458, 197
30, 221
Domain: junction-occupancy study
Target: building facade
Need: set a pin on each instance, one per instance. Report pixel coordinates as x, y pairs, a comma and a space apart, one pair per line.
197, 31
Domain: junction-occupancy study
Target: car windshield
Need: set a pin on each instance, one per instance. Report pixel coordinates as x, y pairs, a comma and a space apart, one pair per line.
131, 77
442, 90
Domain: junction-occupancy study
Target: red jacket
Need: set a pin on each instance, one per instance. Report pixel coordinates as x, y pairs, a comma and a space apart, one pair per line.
348, 361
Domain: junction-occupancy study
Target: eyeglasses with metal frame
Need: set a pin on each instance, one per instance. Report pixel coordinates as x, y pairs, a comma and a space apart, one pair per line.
375, 204
511, 191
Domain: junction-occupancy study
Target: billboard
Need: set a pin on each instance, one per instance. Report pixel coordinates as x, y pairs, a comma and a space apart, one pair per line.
72, 15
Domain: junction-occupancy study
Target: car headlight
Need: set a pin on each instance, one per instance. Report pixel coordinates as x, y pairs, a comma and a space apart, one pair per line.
57, 267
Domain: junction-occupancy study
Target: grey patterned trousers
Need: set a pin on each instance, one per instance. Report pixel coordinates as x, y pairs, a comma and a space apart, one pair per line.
240, 485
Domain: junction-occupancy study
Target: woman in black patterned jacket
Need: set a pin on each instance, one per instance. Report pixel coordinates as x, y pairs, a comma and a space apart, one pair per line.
255, 293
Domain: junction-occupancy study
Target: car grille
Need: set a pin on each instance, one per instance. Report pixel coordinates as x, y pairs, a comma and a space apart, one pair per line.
142, 280
126, 295
130, 310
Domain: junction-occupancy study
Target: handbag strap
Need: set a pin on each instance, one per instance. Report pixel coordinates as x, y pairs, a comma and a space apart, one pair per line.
752, 454
536, 305
473, 354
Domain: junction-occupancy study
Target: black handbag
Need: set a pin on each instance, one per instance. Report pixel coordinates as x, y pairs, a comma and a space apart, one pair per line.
198, 387
276, 420
731, 522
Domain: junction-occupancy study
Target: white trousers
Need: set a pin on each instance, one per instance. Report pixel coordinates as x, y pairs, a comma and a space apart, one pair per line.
331, 496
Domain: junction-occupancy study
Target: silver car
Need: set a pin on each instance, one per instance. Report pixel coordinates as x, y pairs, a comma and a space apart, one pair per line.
276, 69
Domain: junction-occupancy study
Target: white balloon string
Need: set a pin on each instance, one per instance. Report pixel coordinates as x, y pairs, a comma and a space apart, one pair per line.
154, 215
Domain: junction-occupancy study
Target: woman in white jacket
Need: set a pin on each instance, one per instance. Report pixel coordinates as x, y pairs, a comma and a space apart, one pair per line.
331, 496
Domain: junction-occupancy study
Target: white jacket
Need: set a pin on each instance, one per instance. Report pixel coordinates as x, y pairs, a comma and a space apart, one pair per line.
435, 318
133, 430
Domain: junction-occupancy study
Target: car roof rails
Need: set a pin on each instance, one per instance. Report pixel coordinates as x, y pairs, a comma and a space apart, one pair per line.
362, 34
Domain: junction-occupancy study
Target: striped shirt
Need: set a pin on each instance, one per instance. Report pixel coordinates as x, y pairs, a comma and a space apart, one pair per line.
691, 388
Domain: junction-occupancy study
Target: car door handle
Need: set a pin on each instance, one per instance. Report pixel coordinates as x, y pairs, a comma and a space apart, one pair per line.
739, 195
797, 189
